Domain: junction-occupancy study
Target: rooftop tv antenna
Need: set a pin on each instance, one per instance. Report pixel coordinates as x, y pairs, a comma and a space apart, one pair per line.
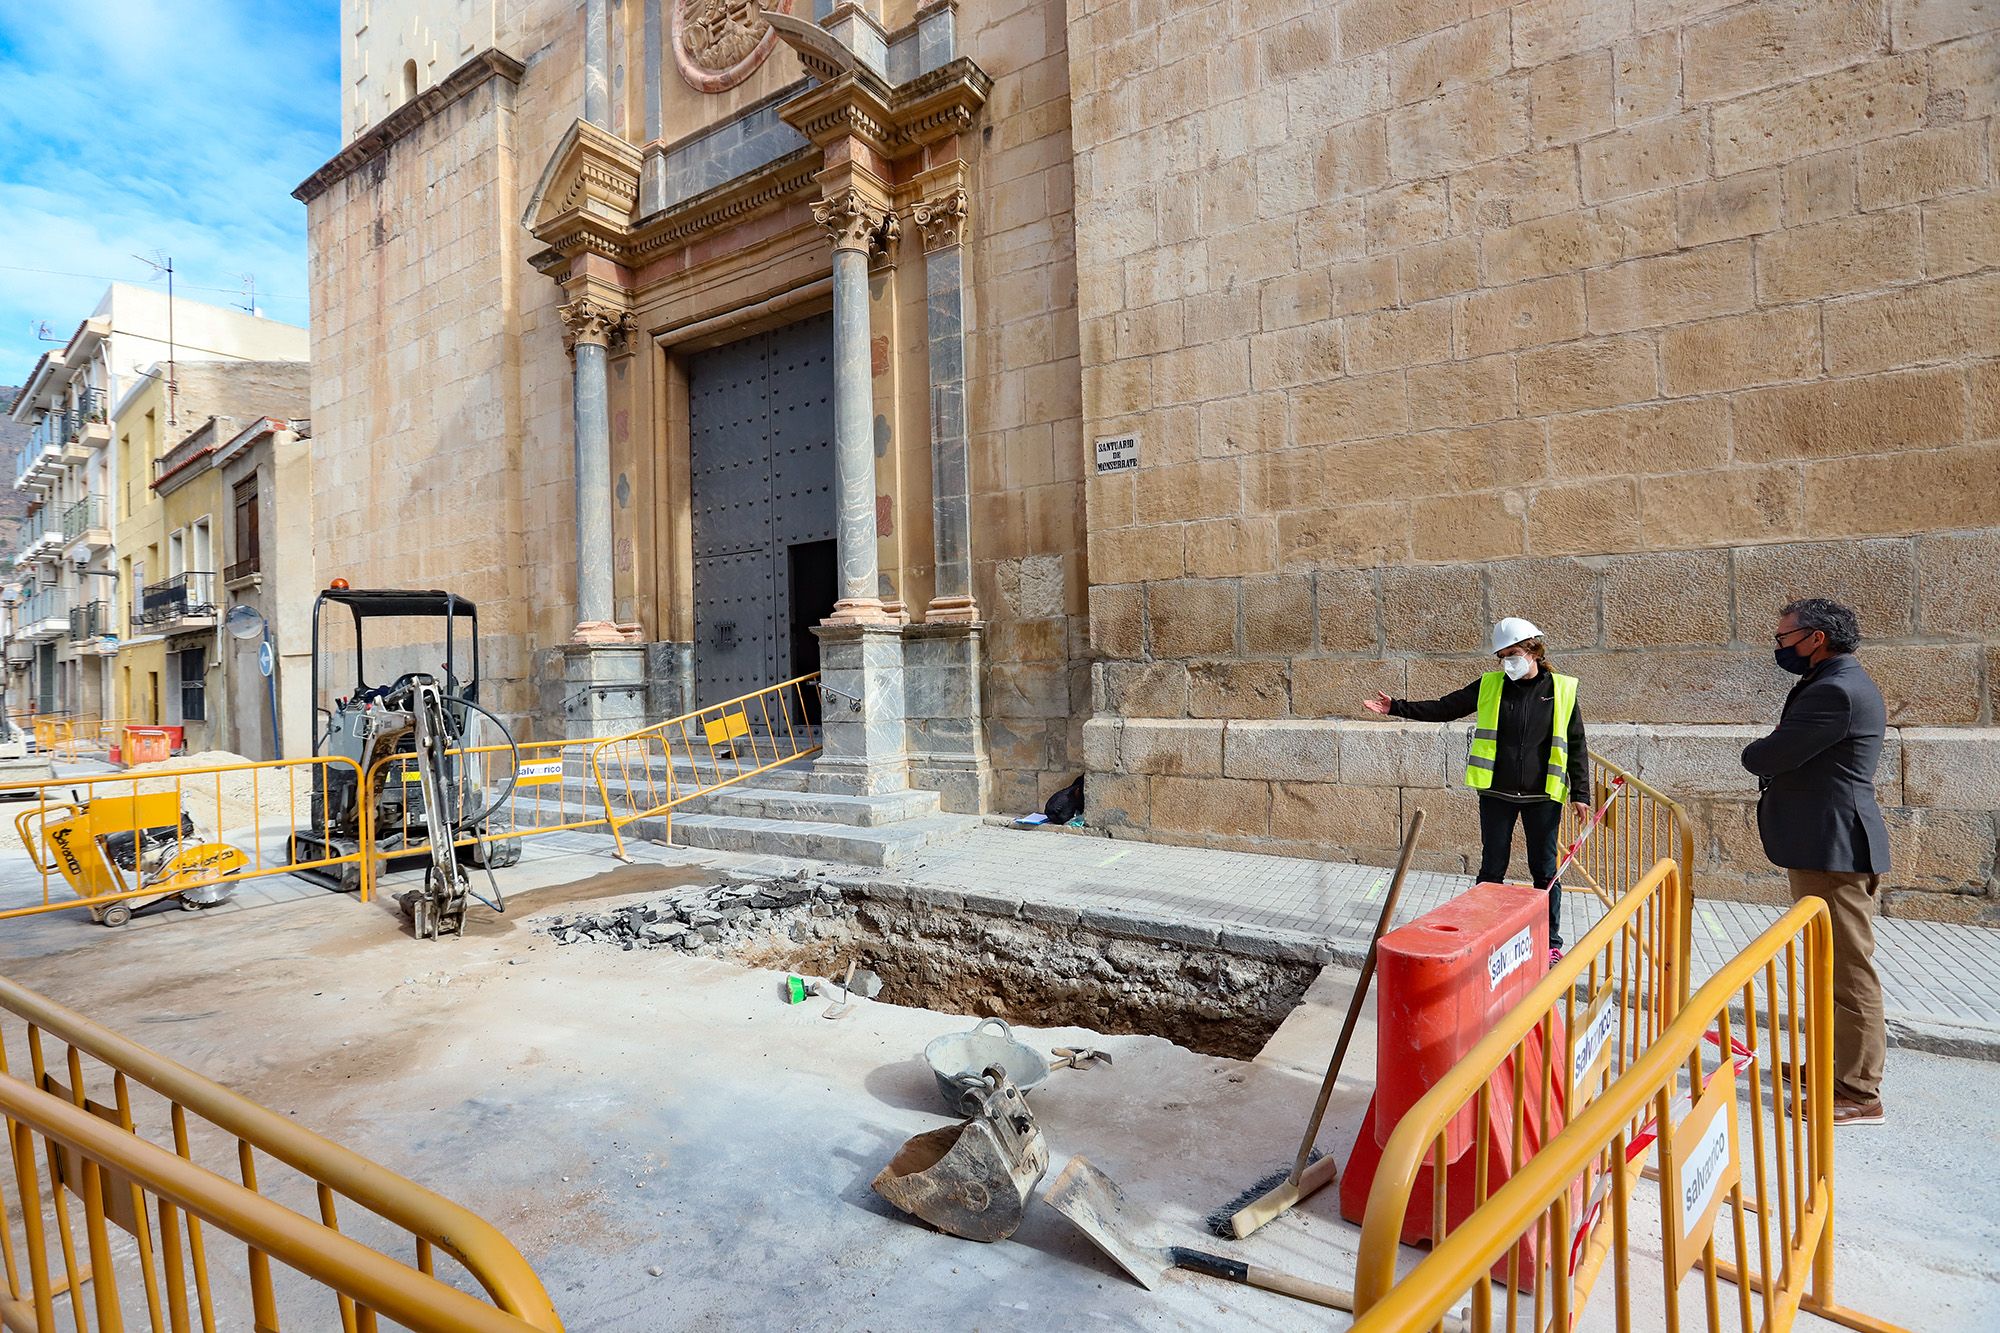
164, 263
249, 302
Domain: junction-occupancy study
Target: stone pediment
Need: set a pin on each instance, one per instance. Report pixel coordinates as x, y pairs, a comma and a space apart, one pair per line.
590, 186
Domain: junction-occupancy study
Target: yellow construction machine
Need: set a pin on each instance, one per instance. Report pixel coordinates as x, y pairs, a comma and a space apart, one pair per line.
121, 853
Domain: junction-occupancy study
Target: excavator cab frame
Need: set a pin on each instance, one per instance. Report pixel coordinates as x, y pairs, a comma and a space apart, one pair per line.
424, 716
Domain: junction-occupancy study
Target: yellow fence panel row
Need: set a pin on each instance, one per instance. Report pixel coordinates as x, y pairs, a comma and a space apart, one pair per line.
232, 1214
1707, 1108
113, 842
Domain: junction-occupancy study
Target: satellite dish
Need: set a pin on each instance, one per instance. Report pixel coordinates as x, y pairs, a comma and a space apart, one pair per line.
243, 622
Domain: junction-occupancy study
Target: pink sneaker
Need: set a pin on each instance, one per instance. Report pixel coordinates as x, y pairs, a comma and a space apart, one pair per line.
1555, 956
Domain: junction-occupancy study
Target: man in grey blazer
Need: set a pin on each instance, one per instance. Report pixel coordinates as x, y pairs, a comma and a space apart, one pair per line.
1817, 814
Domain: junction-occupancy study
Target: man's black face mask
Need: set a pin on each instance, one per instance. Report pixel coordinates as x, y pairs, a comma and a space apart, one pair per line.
1792, 660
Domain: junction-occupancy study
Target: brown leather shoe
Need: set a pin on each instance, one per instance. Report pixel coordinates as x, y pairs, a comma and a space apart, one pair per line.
1856, 1113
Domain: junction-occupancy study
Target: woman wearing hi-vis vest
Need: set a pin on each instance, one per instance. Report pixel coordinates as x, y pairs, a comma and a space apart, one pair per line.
1528, 754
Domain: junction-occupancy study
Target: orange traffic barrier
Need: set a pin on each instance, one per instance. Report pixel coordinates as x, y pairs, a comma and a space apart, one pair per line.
1444, 981
147, 745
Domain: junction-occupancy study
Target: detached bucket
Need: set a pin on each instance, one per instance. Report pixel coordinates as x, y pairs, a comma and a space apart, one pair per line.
972, 1180
957, 1059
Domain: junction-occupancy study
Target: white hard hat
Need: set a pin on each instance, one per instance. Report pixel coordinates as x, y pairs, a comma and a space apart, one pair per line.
1513, 630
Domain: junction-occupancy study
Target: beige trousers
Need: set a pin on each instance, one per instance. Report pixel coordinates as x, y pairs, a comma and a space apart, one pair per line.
1858, 1036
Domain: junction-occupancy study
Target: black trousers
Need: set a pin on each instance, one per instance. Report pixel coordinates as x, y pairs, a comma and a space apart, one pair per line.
1541, 825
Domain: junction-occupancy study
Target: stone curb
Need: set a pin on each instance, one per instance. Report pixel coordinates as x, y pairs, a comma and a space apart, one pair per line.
1007, 822
1940, 1036
1245, 941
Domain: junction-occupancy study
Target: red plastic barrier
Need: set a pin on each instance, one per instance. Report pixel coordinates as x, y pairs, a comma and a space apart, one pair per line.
1442, 982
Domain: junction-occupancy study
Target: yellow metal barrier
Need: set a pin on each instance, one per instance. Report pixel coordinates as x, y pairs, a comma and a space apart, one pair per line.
552, 791
92, 1147
51, 732
112, 842
1594, 1015
652, 771
1641, 827
64, 737
1761, 1026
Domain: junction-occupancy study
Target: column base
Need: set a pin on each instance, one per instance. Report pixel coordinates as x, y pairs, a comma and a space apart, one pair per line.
863, 751
860, 611
952, 611
602, 689
944, 726
605, 632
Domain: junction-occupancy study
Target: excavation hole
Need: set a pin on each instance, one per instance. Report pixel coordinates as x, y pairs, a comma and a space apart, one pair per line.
955, 961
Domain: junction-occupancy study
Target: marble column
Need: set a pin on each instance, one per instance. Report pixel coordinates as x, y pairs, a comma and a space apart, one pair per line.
859, 227
596, 63
942, 222
590, 327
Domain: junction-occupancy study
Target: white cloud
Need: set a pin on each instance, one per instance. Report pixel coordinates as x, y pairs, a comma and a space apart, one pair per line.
133, 127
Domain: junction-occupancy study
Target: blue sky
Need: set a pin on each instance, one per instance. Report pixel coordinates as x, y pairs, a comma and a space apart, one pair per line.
175, 126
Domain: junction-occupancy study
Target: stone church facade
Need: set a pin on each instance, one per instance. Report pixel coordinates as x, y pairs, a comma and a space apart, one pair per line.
1132, 388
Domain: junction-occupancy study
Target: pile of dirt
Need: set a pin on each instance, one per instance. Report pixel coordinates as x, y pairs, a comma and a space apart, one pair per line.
219, 802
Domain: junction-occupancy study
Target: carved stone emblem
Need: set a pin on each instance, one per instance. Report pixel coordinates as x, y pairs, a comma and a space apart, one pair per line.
719, 43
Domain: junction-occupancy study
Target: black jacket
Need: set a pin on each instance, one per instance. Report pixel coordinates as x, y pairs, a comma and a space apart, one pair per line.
1816, 803
1527, 716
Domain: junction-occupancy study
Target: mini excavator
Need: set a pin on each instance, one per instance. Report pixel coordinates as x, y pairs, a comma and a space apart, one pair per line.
429, 803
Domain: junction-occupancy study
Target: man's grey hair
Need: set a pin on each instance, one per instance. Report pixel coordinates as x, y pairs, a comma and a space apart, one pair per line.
1831, 618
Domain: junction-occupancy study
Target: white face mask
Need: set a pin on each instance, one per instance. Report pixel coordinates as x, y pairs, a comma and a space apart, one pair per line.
1517, 666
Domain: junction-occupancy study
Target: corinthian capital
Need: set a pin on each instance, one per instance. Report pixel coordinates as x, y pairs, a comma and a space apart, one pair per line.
591, 321
856, 222
941, 220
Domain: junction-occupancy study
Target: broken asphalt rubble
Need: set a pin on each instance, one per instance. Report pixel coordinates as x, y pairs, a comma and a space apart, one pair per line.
692, 918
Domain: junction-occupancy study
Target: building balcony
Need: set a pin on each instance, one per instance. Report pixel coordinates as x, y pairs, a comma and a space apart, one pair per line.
19, 653
39, 463
183, 602
90, 424
89, 623
86, 526
44, 615
41, 538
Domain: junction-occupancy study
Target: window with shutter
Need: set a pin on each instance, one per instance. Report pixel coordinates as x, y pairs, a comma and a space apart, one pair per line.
249, 544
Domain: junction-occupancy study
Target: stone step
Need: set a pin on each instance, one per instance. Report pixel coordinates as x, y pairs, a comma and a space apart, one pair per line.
790, 776
751, 799
879, 847
778, 785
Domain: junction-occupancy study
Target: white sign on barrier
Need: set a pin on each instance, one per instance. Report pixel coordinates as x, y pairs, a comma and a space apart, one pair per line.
538, 772
1593, 1043
1510, 957
1705, 1158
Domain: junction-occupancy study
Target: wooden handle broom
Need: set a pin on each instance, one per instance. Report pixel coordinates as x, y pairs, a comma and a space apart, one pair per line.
1279, 1192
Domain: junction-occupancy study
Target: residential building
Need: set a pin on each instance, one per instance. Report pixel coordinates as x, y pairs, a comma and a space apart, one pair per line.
13, 503
67, 558
15, 693
266, 493
174, 516
1134, 389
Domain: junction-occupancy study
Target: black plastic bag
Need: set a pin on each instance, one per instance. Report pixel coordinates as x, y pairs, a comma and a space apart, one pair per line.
1066, 804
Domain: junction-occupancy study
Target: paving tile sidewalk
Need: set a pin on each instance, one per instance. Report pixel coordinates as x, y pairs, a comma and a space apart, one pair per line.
1942, 982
